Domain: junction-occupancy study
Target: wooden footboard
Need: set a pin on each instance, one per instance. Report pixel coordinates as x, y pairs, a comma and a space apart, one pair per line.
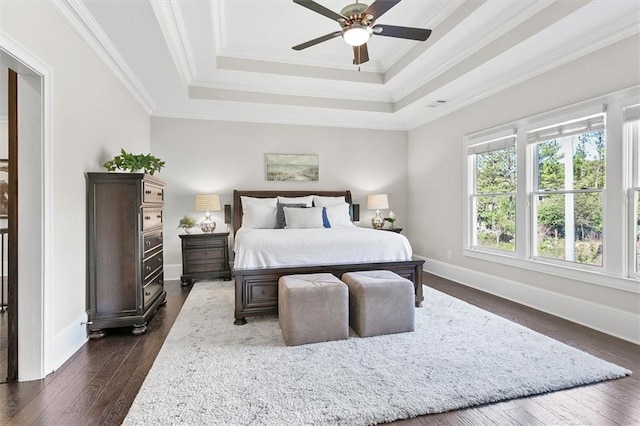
257, 289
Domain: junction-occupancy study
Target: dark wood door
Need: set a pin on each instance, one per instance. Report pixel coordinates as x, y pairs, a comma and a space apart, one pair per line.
12, 215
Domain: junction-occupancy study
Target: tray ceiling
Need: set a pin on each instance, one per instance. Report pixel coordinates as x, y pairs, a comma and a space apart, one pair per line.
232, 60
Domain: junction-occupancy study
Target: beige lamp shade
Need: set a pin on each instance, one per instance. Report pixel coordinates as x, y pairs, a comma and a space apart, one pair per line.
377, 202
207, 202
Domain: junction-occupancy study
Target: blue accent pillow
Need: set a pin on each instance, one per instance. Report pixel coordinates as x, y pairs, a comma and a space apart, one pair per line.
280, 219
325, 219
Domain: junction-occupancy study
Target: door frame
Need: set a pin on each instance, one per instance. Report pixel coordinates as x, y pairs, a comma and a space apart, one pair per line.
35, 242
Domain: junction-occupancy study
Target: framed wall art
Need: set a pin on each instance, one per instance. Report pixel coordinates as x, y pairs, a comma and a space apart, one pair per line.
292, 167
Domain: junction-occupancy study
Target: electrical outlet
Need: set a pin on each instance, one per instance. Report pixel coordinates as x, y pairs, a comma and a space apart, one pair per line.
448, 254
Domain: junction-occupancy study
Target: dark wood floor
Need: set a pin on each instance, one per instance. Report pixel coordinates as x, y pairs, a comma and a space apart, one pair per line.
98, 384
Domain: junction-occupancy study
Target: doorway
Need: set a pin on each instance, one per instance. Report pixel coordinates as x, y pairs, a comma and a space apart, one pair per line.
8, 226
30, 305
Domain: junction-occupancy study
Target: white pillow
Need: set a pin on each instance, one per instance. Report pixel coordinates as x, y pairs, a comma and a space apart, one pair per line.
253, 200
321, 201
297, 218
259, 214
338, 215
308, 200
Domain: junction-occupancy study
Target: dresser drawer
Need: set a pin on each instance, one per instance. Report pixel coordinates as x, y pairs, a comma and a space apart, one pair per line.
152, 194
206, 242
152, 289
151, 241
152, 264
207, 254
151, 218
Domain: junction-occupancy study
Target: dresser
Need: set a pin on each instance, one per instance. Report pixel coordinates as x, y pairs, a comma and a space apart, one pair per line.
205, 256
124, 250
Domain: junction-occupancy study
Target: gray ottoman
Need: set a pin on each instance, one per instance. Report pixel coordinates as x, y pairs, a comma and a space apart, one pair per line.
380, 302
313, 308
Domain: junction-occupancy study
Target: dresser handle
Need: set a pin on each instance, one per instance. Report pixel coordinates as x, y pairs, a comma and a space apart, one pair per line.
160, 194
160, 282
147, 293
148, 192
159, 216
147, 243
264, 291
147, 218
159, 260
159, 238
147, 268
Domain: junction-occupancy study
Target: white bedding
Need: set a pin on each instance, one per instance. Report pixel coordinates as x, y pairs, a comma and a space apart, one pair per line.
272, 248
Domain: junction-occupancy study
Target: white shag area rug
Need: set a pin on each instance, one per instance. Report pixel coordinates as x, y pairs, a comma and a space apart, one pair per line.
210, 371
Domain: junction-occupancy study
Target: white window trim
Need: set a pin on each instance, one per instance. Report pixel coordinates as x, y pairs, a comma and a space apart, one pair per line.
611, 274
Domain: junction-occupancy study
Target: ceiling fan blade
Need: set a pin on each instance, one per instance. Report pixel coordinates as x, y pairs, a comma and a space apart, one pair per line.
309, 4
360, 54
380, 7
317, 40
402, 32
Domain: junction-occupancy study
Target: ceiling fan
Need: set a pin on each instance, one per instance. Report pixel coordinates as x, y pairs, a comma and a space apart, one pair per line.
357, 22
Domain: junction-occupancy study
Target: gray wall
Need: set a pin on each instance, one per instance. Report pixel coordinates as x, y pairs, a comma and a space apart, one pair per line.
436, 169
214, 156
92, 117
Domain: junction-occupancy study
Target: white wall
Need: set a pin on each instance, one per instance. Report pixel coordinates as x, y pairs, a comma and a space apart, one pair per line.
93, 116
215, 156
436, 190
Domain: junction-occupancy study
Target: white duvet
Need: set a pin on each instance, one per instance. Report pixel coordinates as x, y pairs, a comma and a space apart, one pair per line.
272, 248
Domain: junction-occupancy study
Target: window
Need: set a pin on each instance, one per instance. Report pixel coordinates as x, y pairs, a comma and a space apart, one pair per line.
559, 192
493, 194
632, 139
569, 178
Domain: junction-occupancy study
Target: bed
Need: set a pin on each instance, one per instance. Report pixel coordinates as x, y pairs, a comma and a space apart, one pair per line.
256, 274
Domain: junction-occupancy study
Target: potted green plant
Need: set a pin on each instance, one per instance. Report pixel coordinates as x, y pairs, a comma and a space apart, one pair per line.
187, 223
133, 162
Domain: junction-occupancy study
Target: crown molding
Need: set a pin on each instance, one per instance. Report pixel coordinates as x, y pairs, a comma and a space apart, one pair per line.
297, 70
81, 20
300, 121
171, 20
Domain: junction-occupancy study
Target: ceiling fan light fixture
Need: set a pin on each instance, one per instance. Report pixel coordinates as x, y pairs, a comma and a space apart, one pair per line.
356, 34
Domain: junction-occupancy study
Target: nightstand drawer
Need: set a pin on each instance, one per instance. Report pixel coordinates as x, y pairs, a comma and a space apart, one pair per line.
194, 268
150, 265
151, 290
213, 241
208, 254
151, 218
151, 241
152, 194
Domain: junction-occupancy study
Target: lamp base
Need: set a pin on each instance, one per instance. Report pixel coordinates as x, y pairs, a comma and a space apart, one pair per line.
377, 222
207, 225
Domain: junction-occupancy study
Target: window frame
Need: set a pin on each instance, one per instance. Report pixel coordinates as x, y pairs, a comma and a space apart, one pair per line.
485, 146
617, 209
535, 191
631, 140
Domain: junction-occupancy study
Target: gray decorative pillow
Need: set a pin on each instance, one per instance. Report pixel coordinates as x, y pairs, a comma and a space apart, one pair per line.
280, 219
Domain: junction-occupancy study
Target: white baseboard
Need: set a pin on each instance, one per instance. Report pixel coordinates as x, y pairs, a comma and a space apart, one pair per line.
172, 272
622, 324
68, 341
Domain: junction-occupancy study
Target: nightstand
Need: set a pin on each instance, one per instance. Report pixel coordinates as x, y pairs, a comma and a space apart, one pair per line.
205, 256
396, 230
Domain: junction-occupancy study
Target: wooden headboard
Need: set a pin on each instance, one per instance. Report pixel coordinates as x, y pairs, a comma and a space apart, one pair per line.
237, 203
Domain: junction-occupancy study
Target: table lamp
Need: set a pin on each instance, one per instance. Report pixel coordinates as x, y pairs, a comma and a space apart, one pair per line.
207, 203
377, 202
